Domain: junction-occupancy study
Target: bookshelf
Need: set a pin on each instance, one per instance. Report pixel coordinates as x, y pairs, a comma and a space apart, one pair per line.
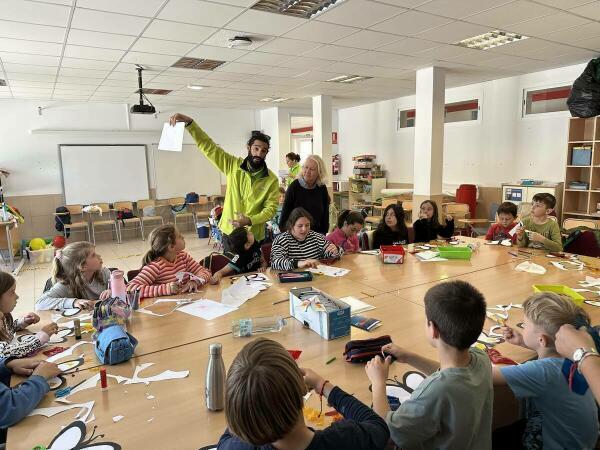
584, 139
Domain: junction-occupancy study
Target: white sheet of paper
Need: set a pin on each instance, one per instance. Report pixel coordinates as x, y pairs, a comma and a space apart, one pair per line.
207, 309
166, 375
515, 229
171, 138
84, 410
244, 289
370, 252
426, 255
357, 306
531, 268
330, 271
67, 352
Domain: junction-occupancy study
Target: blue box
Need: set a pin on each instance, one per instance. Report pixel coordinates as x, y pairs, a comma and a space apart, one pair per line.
581, 156
327, 324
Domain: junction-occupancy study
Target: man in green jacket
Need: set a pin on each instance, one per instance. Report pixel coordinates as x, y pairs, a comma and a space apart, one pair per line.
252, 194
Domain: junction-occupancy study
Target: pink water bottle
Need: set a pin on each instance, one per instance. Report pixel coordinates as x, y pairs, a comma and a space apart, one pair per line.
117, 285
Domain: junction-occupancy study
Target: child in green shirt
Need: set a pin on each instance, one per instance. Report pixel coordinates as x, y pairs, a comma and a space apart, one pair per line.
539, 230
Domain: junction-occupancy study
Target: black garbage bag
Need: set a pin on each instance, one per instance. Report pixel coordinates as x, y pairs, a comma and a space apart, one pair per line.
584, 100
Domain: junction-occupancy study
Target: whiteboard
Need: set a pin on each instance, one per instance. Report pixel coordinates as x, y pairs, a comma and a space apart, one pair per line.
177, 173
103, 173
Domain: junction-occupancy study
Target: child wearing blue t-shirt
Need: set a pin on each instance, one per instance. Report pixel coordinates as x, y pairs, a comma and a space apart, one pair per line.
560, 410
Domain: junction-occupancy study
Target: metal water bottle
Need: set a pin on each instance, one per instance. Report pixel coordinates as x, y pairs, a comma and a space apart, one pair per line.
214, 390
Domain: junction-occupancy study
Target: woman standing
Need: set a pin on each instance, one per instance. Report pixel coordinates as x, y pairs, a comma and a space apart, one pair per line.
293, 162
308, 191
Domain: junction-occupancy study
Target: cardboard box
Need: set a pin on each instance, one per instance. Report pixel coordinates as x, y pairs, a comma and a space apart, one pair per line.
392, 254
327, 324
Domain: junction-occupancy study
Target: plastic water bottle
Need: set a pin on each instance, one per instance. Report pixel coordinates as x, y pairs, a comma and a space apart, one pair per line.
117, 285
256, 325
214, 390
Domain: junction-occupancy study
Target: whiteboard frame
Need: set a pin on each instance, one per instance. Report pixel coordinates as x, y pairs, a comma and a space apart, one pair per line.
60, 162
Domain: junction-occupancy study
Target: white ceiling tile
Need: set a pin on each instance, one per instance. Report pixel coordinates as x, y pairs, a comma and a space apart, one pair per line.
367, 39
409, 46
30, 47
241, 68
161, 46
76, 87
589, 10
591, 43
267, 59
305, 63
218, 53
28, 68
165, 79
547, 24
121, 83
386, 60
333, 52
22, 58
17, 30
320, 32
145, 8
123, 89
199, 12
315, 75
575, 34
254, 21
476, 57
87, 19
103, 54
85, 73
222, 37
526, 47
73, 91
68, 79
445, 51
510, 13
32, 77
31, 90
553, 51
97, 39
30, 12
150, 59
572, 56
563, 4
286, 46
38, 84
78, 63
410, 23
164, 29
282, 71
459, 9
359, 13
453, 32
504, 61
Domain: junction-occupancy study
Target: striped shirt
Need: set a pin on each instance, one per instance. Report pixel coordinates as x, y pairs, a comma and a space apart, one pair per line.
287, 251
155, 278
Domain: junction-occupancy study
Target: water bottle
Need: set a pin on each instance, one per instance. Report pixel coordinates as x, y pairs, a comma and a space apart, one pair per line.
256, 325
214, 390
117, 285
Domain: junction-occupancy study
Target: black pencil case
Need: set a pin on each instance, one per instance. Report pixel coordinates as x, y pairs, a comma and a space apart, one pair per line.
294, 277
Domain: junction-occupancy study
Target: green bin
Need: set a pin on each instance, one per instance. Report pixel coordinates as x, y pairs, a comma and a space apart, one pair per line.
455, 252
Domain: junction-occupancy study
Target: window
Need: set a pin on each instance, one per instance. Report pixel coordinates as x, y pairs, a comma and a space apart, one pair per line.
547, 100
453, 112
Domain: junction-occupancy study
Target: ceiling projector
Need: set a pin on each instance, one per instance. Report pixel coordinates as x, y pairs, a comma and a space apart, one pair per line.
142, 108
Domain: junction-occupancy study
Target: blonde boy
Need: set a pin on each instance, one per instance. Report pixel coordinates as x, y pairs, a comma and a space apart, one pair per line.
560, 411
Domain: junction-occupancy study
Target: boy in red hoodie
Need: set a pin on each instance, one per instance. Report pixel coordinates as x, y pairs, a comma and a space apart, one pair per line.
507, 213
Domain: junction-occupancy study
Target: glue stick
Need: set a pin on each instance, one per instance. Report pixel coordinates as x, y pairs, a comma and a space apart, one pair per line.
103, 381
77, 325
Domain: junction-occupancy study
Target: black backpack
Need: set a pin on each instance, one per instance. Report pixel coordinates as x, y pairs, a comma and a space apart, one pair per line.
62, 219
192, 197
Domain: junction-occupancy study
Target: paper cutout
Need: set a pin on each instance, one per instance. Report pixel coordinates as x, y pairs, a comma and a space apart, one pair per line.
399, 391
562, 265
171, 138
166, 375
516, 228
56, 382
494, 332
70, 366
73, 437
530, 267
590, 282
87, 384
179, 302
330, 271
68, 352
184, 277
295, 354
244, 288
592, 303
118, 418
53, 410
356, 306
498, 358
60, 336
207, 309
488, 341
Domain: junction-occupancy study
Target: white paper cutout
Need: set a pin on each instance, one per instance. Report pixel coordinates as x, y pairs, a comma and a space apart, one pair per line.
330, 271
166, 375
530, 267
179, 302
171, 138
591, 302
118, 418
244, 288
67, 352
207, 309
67, 366
89, 383
494, 331
53, 410
60, 336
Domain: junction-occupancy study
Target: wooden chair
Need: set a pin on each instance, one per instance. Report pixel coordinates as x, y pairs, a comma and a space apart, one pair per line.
458, 211
121, 223
183, 214
574, 223
106, 219
78, 221
200, 210
141, 204
265, 249
407, 206
131, 274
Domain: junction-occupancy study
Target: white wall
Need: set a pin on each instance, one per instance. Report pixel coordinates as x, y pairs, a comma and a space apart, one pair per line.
32, 159
501, 146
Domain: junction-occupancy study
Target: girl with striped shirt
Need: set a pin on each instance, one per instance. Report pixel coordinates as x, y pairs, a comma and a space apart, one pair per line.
163, 261
300, 247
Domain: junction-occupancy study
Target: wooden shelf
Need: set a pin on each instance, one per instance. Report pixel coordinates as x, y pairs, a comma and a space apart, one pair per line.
581, 142
577, 190
581, 166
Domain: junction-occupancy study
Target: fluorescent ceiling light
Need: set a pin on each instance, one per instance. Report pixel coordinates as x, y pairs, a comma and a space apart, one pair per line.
491, 39
347, 79
195, 87
306, 9
275, 99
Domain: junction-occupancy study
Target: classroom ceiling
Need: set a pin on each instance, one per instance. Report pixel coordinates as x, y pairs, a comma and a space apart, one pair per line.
86, 50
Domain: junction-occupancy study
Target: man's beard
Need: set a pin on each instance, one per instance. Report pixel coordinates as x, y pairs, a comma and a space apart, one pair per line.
256, 162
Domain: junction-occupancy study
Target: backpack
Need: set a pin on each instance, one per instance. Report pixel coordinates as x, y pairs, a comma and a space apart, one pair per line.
192, 197
113, 345
125, 213
62, 219
207, 262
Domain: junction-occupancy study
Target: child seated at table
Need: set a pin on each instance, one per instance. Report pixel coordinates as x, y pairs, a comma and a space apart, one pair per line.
9, 344
300, 247
161, 264
539, 230
247, 255
217, 210
560, 410
428, 227
452, 407
264, 399
499, 231
78, 278
392, 229
345, 236
16, 403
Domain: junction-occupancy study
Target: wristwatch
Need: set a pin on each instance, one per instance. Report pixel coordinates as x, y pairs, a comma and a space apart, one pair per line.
581, 353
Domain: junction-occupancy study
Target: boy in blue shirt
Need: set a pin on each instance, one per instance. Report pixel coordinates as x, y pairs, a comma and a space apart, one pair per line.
560, 410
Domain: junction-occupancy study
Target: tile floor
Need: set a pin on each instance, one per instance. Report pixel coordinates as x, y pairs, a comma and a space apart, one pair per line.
125, 256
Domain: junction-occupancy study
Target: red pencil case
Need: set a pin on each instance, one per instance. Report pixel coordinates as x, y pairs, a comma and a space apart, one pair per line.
294, 277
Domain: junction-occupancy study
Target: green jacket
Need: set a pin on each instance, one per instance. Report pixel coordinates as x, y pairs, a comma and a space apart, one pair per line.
255, 197
293, 174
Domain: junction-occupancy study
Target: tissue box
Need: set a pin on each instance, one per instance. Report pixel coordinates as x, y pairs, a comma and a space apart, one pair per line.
327, 324
392, 254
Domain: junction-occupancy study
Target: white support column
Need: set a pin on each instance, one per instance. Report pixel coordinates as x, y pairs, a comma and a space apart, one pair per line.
429, 136
322, 119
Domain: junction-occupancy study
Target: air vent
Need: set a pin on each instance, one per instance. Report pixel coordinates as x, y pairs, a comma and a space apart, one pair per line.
305, 9
348, 79
198, 63
155, 91
2, 82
